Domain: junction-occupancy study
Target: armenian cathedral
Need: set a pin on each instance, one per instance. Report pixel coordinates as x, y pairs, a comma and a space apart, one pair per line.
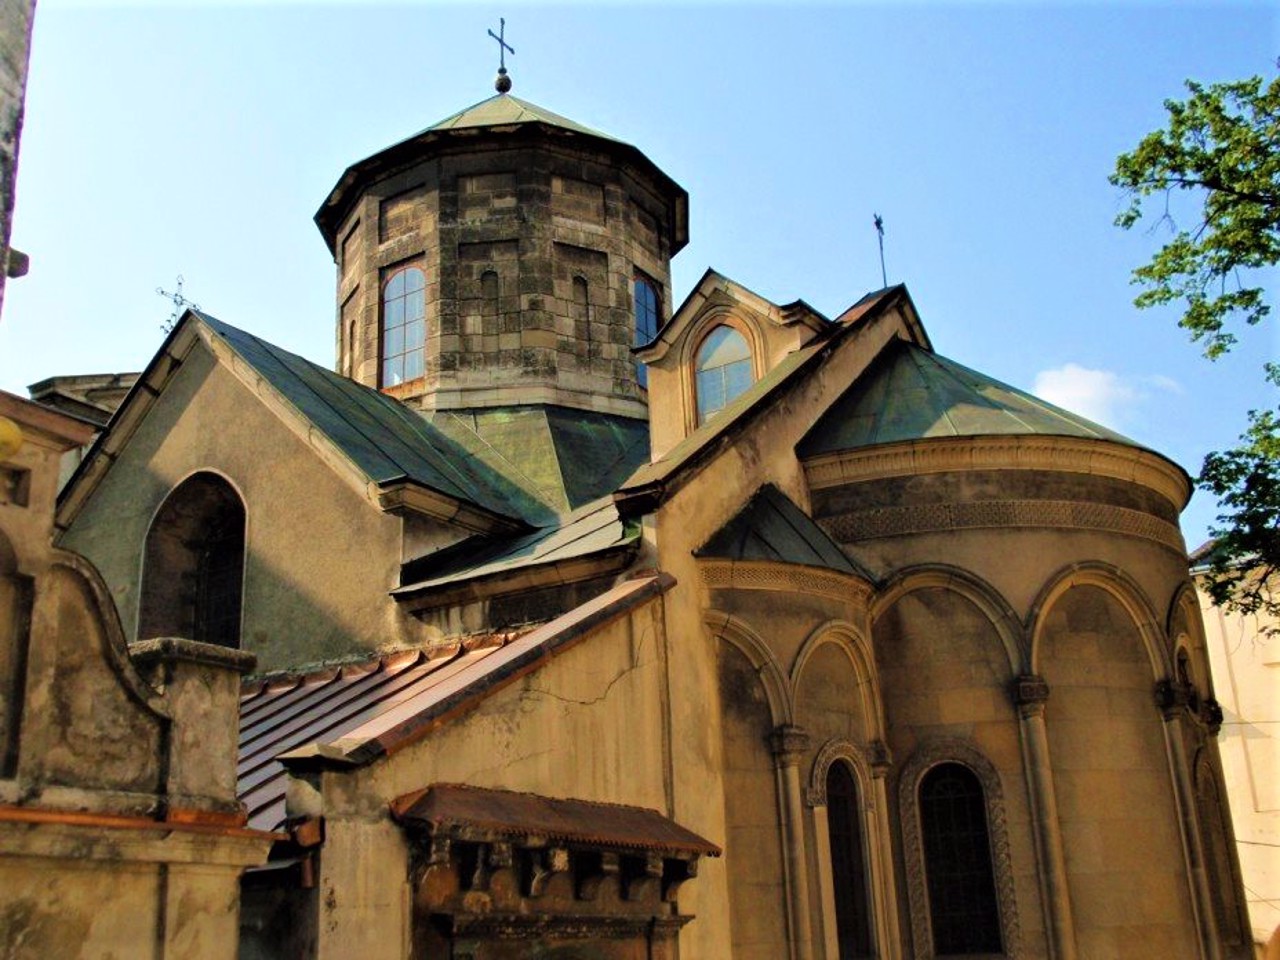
565, 619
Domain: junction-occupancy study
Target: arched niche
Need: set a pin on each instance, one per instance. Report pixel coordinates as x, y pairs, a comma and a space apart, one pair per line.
193, 564
1098, 649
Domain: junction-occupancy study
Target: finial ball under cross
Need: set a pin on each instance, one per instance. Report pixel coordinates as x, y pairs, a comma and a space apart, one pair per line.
503, 83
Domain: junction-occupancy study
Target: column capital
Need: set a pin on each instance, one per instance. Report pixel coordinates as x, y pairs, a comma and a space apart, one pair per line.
788, 741
1030, 692
1171, 697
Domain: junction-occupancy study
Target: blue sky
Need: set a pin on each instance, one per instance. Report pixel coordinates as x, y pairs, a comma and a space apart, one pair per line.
200, 138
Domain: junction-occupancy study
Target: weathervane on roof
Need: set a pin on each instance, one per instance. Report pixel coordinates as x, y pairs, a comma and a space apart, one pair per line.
180, 303
503, 83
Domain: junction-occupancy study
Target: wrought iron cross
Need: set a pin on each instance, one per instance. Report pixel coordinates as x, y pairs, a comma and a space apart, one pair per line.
179, 304
503, 47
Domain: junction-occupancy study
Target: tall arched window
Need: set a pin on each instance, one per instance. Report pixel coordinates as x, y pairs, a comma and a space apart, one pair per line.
848, 864
963, 910
404, 327
722, 371
648, 309
193, 568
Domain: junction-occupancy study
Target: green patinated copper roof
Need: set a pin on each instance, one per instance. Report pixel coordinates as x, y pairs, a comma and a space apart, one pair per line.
384, 439
909, 393
561, 457
505, 109
771, 527
591, 530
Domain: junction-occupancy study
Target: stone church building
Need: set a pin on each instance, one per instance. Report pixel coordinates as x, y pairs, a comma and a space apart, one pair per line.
590, 625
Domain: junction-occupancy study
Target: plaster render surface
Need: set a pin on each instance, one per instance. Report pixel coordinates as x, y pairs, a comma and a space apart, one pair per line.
305, 599
1245, 664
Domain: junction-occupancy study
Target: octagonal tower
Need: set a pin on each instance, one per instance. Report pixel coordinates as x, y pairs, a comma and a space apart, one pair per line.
504, 257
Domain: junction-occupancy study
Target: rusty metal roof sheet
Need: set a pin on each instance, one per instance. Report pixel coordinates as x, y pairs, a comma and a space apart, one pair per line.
278, 715
571, 822
355, 713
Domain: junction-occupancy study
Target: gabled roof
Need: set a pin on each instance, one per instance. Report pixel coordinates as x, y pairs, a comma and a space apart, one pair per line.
654, 482
388, 445
386, 440
909, 393
771, 527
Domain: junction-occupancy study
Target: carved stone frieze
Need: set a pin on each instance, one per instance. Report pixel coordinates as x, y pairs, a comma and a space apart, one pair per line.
946, 455
1057, 514
782, 578
929, 754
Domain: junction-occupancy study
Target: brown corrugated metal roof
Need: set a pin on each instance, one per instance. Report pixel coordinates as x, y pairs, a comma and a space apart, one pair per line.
281, 714
515, 815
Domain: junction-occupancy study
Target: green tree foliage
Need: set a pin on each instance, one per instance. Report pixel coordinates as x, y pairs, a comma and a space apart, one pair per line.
1222, 148
1244, 562
1223, 145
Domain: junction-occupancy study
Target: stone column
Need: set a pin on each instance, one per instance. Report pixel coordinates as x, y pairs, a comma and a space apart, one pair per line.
1172, 698
1030, 693
884, 890
789, 742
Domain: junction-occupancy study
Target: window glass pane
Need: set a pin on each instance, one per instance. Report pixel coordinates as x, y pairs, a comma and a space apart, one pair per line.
413, 364
392, 370
642, 375
710, 390
415, 334
414, 280
392, 314
957, 853
737, 378
722, 345
413, 306
848, 864
395, 286
393, 342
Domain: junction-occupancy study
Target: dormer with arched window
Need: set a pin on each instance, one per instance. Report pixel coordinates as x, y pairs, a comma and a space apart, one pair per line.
716, 346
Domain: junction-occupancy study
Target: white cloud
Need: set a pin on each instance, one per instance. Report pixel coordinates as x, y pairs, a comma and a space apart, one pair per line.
1103, 396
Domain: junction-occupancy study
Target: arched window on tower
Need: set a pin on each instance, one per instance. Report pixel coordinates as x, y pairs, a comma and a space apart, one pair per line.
722, 371
848, 864
963, 911
404, 327
648, 310
193, 564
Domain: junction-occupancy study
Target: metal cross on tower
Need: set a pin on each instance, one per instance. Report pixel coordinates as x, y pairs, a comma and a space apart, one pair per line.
180, 303
503, 83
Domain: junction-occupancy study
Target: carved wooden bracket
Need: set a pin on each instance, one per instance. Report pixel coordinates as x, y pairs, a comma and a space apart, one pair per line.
593, 870
642, 877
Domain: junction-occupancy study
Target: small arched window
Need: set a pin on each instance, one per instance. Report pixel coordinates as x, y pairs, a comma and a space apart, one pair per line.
722, 371
848, 864
963, 911
193, 568
648, 307
404, 327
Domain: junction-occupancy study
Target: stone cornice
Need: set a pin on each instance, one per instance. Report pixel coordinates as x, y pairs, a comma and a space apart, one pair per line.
784, 578
1100, 458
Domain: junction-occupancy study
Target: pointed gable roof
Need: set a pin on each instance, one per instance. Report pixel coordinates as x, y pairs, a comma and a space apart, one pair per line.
770, 527
910, 393
390, 446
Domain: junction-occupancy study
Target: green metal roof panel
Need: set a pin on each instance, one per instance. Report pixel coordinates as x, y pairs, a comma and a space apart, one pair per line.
771, 527
505, 109
386, 440
909, 393
590, 530
562, 457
